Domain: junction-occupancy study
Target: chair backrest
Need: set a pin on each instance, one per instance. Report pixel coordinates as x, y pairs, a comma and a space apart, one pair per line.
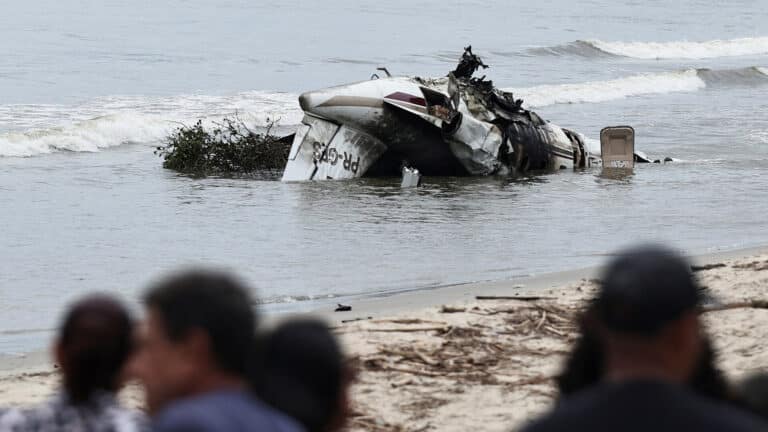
617, 145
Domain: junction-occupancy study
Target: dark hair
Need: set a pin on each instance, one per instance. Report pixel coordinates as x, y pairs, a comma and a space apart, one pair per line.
584, 366
643, 289
95, 340
213, 302
302, 373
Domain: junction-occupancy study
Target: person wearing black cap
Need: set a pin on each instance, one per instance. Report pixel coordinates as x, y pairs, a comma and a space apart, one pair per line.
647, 322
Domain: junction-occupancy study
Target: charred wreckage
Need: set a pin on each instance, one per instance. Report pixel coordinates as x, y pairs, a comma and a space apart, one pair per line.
452, 126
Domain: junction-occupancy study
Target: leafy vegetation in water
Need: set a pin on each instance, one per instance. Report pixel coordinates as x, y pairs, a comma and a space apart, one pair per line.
229, 148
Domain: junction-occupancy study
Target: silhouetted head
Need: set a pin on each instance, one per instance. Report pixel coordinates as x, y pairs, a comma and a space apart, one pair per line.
303, 373
584, 367
198, 335
646, 315
93, 344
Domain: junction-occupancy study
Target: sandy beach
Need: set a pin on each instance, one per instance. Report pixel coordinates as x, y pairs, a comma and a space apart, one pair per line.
448, 358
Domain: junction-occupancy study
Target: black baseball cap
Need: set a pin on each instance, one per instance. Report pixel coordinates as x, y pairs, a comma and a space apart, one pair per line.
644, 288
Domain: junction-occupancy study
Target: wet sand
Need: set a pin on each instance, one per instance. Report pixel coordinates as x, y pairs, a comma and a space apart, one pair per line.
446, 360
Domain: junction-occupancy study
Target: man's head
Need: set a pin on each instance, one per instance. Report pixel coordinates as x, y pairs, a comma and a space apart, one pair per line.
647, 315
198, 335
92, 346
303, 374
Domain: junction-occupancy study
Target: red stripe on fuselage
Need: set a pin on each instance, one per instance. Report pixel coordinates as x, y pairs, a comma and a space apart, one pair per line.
405, 97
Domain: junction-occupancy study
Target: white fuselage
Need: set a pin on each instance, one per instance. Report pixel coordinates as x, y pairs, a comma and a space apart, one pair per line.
348, 130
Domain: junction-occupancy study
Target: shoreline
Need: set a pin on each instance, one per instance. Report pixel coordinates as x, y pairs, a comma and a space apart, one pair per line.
389, 304
426, 358
365, 307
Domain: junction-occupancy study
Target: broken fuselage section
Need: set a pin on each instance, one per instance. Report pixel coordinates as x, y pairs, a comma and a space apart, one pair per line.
452, 126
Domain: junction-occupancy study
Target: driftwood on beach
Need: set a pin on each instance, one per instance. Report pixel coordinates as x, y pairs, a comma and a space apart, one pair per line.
519, 298
499, 355
753, 304
494, 358
461, 350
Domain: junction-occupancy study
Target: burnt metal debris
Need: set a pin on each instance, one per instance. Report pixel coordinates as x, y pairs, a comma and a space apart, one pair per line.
456, 125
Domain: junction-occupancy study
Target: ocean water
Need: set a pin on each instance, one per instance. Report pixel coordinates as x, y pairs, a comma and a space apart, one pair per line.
88, 89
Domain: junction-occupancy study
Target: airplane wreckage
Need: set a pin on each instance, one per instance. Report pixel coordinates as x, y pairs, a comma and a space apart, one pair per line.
452, 126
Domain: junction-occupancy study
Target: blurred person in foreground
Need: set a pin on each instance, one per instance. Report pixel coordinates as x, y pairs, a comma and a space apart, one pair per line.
303, 373
93, 344
646, 321
584, 367
195, 347
753, 392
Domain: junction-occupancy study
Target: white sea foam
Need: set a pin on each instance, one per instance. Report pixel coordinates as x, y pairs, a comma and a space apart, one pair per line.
111, 121
86, 136
762, 70
684, 49
601, 91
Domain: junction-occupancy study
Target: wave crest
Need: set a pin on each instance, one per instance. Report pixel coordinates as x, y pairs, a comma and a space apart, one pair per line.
602, 91
147, 120
578, 48
131, 120
662, 50
646, 84
85, 136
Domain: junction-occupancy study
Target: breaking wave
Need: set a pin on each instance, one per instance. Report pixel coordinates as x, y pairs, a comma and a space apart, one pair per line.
660, 50
101, 123
646, 84
85, 136
30, 130
749, 76
579, 48
602, 91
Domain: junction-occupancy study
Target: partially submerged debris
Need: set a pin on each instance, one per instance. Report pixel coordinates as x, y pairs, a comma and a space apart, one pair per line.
457, 125
229, 148
411, 177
